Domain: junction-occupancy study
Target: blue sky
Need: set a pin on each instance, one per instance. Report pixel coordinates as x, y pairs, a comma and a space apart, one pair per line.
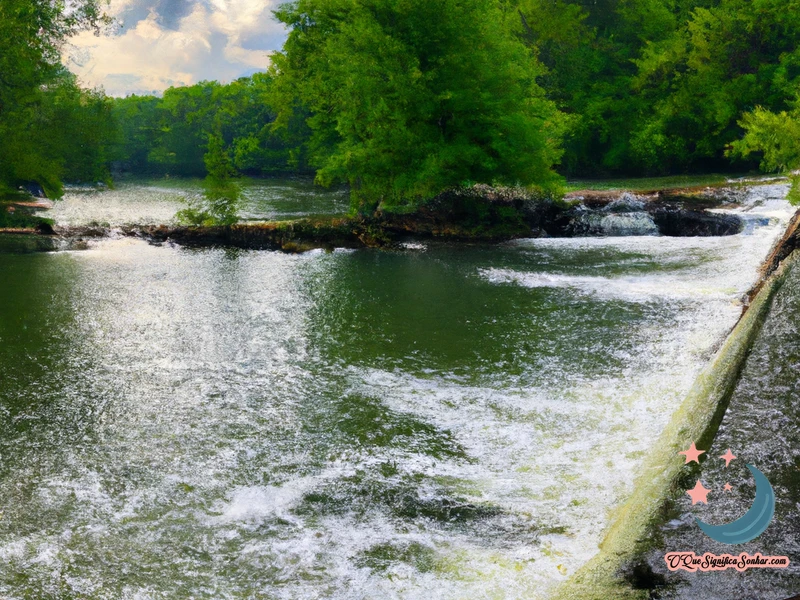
176, 42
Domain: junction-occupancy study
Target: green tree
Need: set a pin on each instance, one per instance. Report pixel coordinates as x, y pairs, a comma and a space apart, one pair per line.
31, 80
695, 85
220, 202
775, 138
409, 97
589, 49
169, 135
138, 122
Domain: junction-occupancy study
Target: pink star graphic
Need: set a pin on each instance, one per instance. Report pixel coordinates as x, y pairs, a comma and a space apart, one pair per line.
728, 487
727, 457
692, 454
698, 494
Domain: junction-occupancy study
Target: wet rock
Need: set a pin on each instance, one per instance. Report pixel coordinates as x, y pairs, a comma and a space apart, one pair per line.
599, 223
629, 216
687, 223
627, 203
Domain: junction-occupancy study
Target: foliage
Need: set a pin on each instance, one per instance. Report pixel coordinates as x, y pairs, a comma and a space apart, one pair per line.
168, 135
727, 58
49, 127
403, 99
20, 218
658, 86
794, 192
409, 97
775, 136
219, 204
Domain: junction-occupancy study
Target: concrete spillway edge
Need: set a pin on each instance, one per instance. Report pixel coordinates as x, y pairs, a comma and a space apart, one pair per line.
696, 420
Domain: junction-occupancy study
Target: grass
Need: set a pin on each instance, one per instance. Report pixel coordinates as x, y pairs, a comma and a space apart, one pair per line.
651, 183
19, 219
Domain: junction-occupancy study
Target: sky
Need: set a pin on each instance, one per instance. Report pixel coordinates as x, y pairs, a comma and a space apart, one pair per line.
163, 43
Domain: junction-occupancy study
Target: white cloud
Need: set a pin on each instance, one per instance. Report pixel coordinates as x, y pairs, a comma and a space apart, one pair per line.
176, 42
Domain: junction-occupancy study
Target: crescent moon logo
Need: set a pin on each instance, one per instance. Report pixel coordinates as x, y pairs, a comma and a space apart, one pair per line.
753, 523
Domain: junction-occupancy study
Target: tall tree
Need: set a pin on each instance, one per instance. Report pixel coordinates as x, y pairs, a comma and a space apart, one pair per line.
696, 84
409, 97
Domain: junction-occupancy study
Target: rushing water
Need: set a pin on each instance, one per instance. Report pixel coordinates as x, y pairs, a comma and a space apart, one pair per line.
762, 427
440, 421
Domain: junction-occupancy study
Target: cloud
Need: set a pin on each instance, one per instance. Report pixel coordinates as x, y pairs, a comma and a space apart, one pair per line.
165, 43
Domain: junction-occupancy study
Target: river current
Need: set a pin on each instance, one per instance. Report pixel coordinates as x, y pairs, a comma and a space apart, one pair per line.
438, 421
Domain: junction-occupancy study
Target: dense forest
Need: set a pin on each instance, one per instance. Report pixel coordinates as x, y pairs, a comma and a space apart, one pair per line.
401, 99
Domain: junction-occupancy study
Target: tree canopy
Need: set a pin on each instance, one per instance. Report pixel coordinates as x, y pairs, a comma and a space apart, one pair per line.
409, 97
658, 86
402, 99
49, 127
169, 135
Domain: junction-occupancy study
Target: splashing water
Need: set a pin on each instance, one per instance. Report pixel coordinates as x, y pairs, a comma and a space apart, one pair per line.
443, 421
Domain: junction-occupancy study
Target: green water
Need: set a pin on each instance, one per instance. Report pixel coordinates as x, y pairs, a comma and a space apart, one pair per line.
447, 420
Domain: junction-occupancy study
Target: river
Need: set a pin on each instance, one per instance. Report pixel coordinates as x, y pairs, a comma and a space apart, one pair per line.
437, 421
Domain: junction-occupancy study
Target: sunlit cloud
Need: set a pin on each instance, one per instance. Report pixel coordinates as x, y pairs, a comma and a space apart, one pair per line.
163, 43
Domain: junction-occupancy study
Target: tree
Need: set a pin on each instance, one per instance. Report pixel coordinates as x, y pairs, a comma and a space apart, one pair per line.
775, 137
31, 34
589, 49
406, 98
727, 58
220, 201
169, 135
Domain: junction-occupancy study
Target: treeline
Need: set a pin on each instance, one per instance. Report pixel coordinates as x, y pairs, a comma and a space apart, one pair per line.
660, 86
403, 98
170, 135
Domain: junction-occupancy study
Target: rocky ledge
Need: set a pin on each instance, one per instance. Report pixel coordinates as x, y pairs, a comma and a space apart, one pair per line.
479, 214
